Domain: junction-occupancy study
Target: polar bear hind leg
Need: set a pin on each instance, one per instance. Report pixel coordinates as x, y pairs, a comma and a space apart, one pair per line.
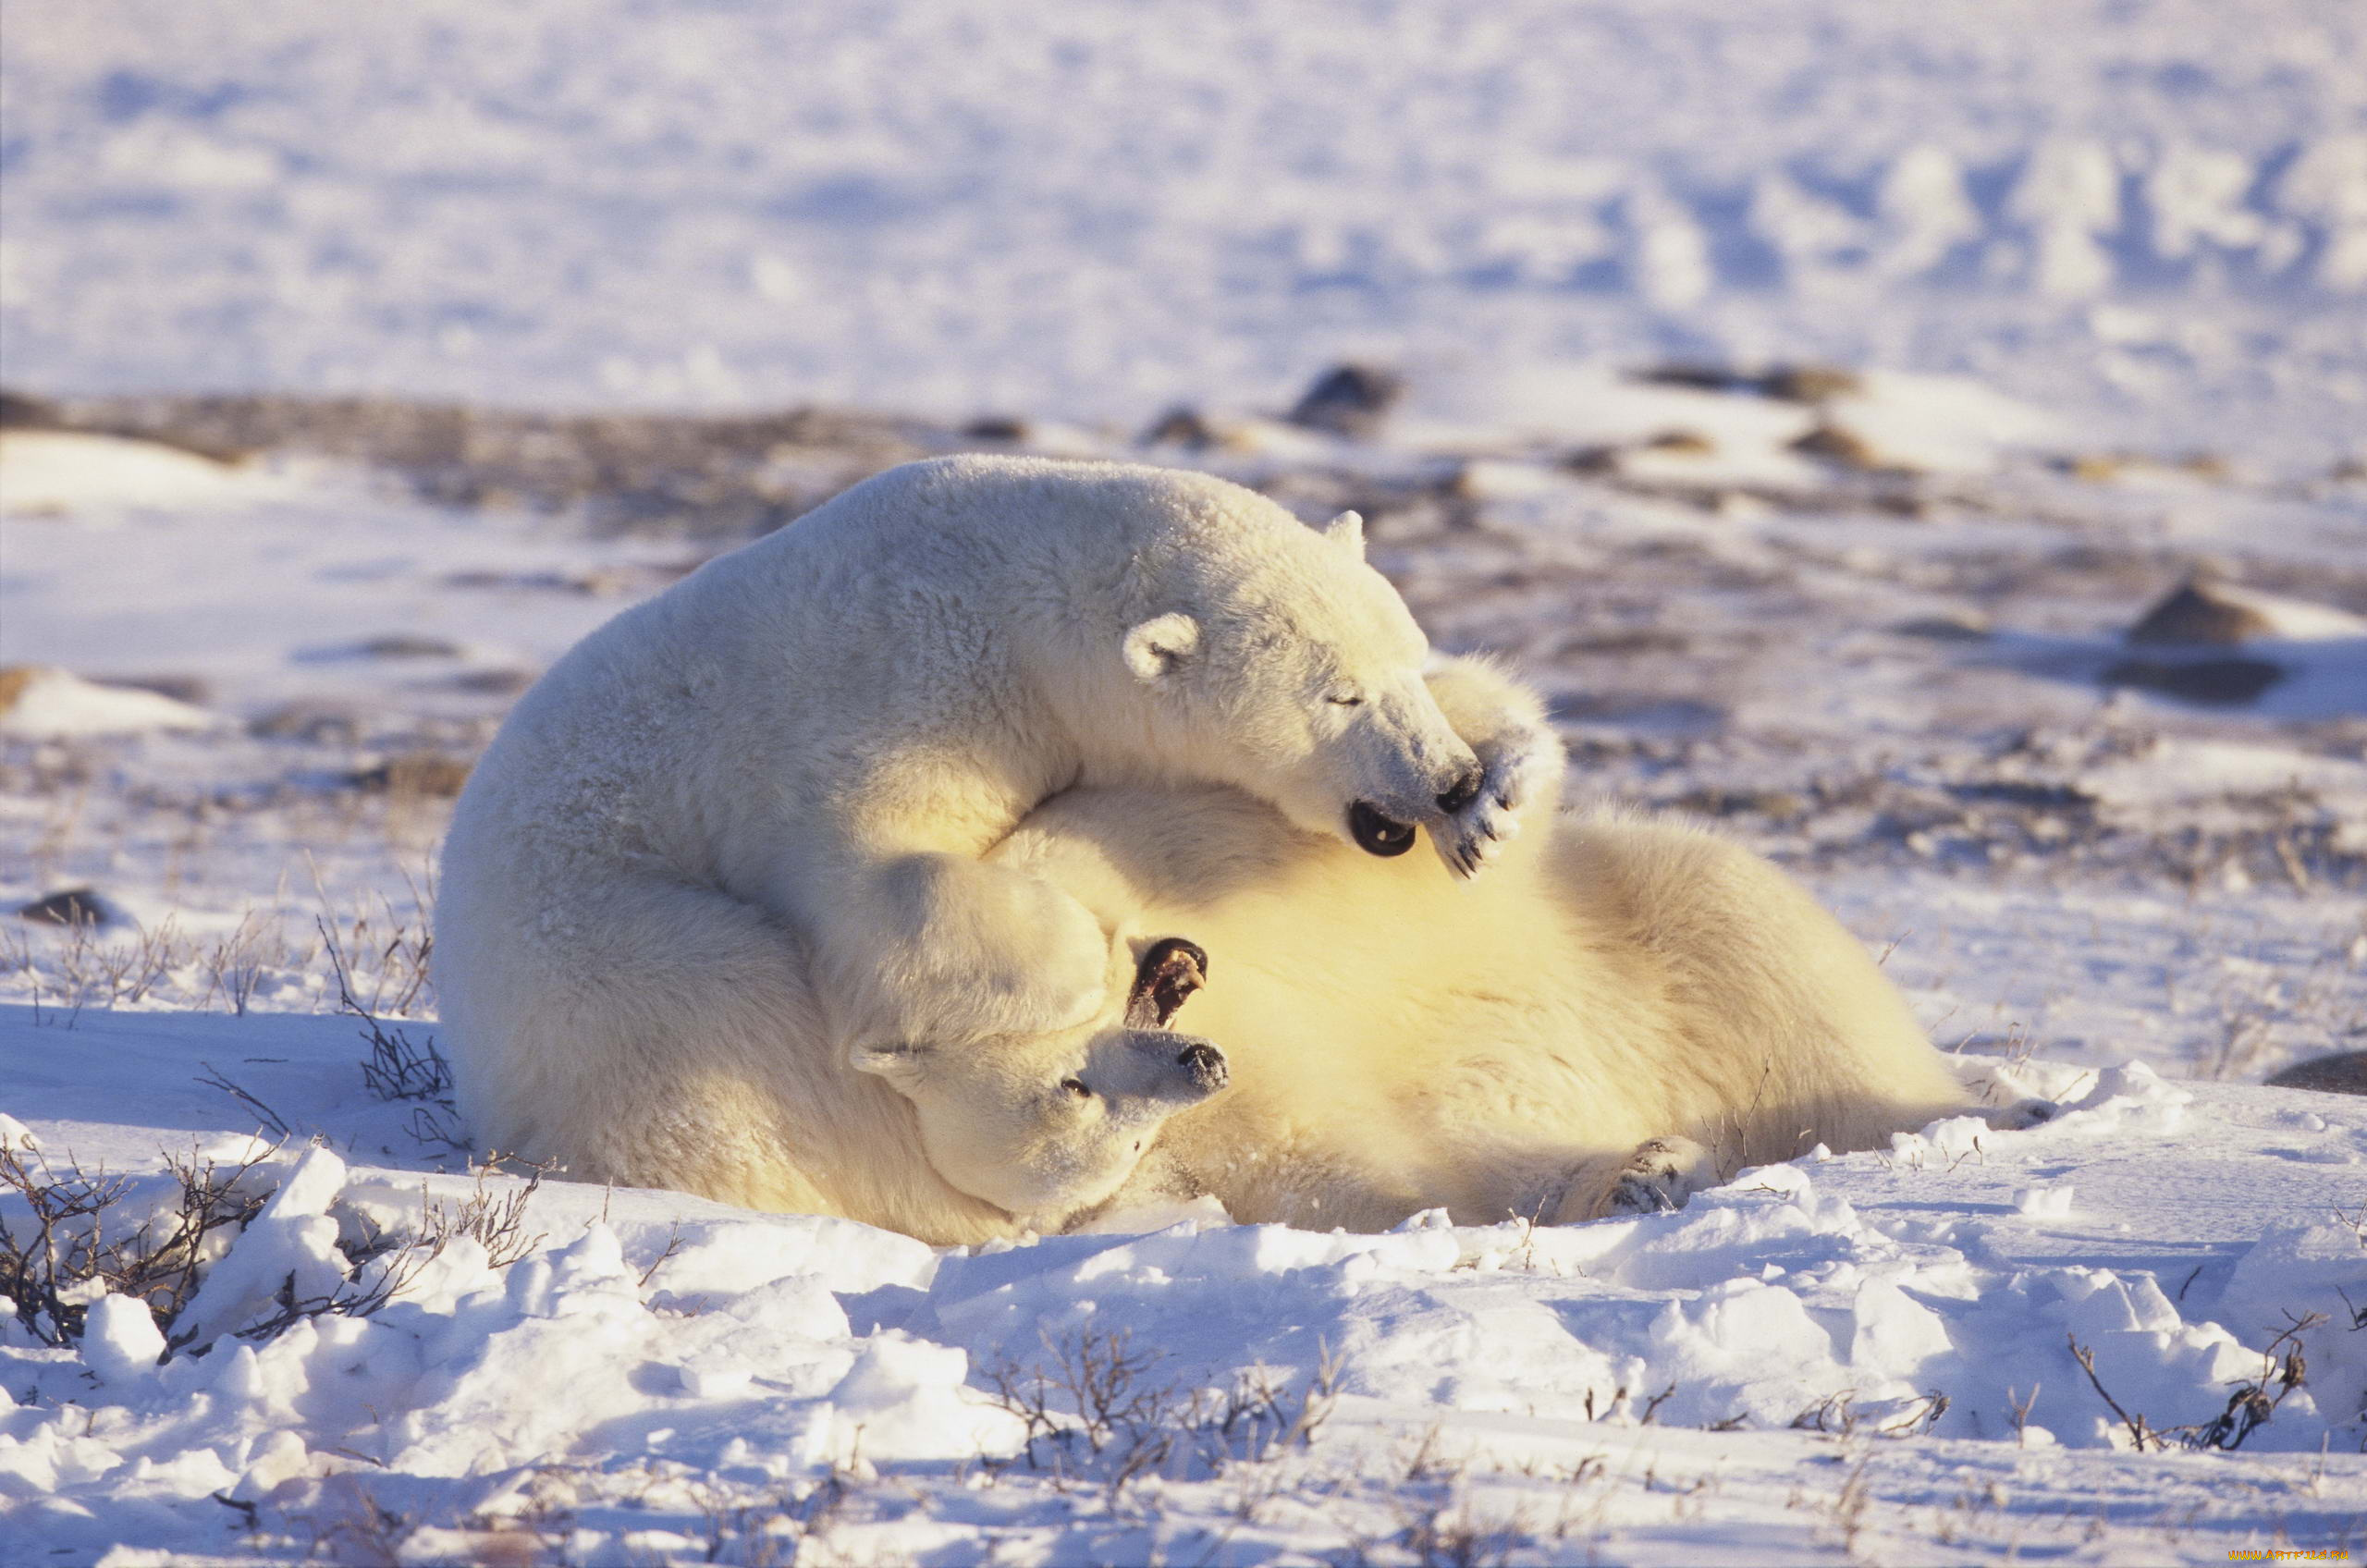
633, 1028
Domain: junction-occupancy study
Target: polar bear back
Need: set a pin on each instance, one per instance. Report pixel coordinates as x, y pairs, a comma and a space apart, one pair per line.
872, 658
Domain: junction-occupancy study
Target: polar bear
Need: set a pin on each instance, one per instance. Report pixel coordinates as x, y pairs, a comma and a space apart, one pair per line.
792, 762
1623, 1011
1626, 1010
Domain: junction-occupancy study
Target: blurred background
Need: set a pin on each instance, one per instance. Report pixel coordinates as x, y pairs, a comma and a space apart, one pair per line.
1930, 440
2150, 212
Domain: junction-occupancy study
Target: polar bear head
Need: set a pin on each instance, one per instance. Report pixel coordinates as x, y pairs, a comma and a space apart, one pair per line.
1277, 660
1044, 1126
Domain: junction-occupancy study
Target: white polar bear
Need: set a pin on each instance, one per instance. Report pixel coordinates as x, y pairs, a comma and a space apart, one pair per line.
793, 760
1624, 1010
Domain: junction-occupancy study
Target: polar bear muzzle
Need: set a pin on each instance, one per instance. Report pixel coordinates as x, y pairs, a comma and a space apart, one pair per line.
1378, 833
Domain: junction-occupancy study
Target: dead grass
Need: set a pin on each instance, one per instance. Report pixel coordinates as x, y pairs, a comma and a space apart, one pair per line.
79, 1235
2251, 1404
1093, 1413
89, 1234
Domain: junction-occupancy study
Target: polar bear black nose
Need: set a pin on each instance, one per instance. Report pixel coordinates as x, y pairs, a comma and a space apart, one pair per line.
1464, 790
1205, 1063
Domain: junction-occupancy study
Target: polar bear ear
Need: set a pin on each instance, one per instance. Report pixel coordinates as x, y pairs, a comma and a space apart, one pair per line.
900, 1062
1156, 647
1347, 529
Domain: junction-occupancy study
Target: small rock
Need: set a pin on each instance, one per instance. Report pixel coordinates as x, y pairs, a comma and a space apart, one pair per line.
22, 410
2202, 612
74, 906
409, 646
1839, 444
190, 689
413, 773
995, 427
1352, 400
1949, 626
490, 682
320, 724
1180, 426
2342, 1073
1685, 442
1811, 384
2096, 468
1698, 378
2222, 682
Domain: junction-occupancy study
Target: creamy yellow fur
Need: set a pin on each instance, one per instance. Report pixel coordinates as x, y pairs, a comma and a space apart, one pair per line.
1497, 1047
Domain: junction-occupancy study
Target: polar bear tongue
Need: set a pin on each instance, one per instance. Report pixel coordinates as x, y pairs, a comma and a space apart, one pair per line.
1172, 969
1376, 834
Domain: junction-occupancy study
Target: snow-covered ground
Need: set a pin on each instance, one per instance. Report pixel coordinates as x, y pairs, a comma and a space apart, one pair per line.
2099, 270
2130, 902
1863, 1359
2154, 210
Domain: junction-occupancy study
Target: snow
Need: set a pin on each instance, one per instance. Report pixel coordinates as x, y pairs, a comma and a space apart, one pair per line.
52, 471
1079, 210
1876, 1347
49, 703
2094, 271
1803, 1315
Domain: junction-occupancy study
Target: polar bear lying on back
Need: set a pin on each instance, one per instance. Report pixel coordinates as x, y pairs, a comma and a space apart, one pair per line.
1624, 1010
796, 758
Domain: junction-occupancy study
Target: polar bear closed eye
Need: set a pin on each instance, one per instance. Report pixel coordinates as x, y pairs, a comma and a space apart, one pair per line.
1043, 1126
1303, 681
826, 732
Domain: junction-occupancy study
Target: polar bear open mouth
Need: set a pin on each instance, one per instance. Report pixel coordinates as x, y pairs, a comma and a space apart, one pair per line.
1376, 834
1170, 970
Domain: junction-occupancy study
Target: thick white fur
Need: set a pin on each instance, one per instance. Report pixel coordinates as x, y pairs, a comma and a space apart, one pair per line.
1623, 1008
833, 724
740, 828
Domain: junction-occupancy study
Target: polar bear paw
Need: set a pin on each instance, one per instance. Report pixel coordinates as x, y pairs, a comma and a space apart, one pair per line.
2023, 1115
1658, 1177
1514, 765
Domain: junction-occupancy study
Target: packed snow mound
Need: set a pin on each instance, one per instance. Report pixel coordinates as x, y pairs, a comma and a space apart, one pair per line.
1066, 209
361, 1336
43, 703
1712, 427
74, 472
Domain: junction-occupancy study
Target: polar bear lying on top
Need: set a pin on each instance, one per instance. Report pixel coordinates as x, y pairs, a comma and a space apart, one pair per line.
794, 760
1624, 1010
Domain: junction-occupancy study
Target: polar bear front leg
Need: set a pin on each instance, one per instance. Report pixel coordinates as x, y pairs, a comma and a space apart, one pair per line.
1521, 758
942, 949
